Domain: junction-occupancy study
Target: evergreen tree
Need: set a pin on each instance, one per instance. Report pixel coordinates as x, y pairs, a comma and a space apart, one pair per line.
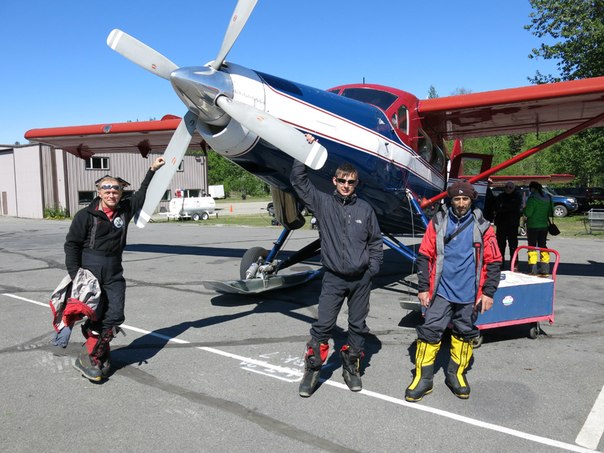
577, 29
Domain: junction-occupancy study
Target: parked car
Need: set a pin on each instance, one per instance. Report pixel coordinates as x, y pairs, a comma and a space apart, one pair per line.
595, 195
563, 205
576, 192
587, 197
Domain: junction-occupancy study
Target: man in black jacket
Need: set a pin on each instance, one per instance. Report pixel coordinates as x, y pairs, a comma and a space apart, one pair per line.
95, 241
351, 252
508, 210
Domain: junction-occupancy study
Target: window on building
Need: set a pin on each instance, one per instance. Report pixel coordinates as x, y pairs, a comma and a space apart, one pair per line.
97, 163
166, 196
86, 197
181, 167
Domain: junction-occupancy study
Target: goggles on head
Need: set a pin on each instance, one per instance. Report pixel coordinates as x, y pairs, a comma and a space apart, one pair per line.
110, 186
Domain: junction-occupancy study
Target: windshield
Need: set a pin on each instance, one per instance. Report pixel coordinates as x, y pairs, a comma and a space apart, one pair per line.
380, 99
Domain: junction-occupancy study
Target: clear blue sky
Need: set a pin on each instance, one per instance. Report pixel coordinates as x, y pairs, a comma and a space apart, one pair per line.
57, 69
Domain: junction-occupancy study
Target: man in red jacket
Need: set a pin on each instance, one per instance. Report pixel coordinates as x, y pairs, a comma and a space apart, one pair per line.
459, 265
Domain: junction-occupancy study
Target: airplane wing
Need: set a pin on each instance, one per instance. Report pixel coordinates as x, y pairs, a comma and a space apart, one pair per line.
84, 141
552, 106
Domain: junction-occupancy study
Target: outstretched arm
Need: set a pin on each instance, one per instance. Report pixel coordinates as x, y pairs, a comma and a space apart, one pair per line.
306, 191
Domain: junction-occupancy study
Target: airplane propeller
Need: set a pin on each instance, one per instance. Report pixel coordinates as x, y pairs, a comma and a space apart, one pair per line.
173, 156
201, 91
242, 13
141, 54
276, 132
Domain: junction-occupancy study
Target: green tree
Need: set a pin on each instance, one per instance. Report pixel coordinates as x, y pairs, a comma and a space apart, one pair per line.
432, 92
233, 177
576, 30
461, 90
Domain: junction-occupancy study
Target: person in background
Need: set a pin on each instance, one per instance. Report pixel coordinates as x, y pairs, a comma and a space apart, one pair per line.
351, 253
508, 210
489, 202
459, 266
539, 208
95, 241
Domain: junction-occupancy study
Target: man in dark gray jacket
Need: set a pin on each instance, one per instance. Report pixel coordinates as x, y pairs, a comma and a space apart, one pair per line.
96, 241
351, 252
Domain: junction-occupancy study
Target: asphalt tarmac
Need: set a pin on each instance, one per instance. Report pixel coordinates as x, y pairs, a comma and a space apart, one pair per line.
199, 371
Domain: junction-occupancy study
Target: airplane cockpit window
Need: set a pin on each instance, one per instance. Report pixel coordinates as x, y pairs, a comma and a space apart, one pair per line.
424, 146
438, 159
380, 99
400, 119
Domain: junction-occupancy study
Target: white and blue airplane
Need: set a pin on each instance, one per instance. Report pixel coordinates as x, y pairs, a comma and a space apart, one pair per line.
259, 121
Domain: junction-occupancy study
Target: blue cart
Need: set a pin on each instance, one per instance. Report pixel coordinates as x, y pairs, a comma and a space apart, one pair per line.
522, 298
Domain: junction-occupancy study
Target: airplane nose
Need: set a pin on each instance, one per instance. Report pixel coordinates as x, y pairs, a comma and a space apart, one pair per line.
198, 88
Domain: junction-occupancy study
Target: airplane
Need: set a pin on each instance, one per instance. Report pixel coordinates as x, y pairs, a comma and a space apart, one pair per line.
395, 140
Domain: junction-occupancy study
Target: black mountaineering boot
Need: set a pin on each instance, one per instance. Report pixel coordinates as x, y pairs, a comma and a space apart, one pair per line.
315, 355
93, 363
89, 367
351, 368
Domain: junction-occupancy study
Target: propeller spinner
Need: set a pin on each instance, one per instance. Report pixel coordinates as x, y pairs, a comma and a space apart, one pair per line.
207, 92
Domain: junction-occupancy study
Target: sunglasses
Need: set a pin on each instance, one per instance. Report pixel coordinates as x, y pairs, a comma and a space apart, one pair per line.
111, 186
351, 182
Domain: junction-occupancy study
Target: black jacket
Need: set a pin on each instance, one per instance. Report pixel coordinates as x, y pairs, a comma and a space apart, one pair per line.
508, 209
92, 229
351, 241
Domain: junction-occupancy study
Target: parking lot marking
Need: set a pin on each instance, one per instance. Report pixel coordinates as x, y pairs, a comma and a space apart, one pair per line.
592, 430
586, 435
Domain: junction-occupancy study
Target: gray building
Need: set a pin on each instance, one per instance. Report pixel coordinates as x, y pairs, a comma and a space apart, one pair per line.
35, 177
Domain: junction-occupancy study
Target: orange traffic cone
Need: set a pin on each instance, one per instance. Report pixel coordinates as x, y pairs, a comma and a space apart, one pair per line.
231, 210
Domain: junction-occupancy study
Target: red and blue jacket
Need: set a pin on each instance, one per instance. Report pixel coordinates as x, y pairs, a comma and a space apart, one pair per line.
487, 257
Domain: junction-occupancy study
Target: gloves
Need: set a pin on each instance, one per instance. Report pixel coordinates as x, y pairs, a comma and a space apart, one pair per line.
61, 338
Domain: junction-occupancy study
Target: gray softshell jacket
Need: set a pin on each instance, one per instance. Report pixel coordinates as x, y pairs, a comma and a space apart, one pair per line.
74, 299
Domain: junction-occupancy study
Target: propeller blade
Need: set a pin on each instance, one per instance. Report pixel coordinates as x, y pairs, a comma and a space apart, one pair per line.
285, 137
242, 13
141, 54
161, 180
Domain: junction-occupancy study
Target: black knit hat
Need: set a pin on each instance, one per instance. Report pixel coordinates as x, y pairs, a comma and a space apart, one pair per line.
462, 188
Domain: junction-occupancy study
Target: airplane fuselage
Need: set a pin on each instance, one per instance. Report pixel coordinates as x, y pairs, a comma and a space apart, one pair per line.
379, 142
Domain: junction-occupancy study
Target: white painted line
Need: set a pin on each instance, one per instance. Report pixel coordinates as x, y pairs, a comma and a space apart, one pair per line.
28, 300
592, 430
460, 418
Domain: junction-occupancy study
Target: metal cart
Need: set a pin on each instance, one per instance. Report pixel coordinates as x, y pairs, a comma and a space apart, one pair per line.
522, 298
